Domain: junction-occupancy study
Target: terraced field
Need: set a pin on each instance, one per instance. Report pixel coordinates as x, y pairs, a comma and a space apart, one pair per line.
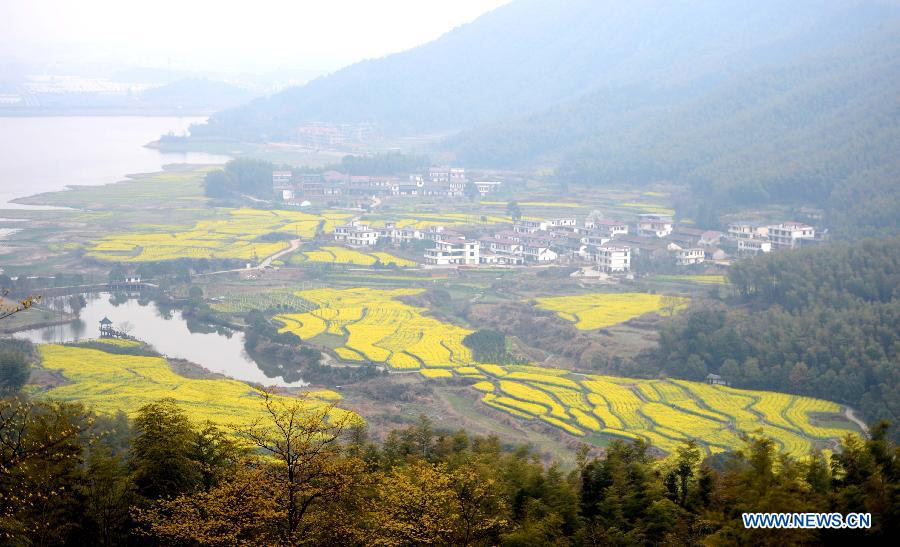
601, 310
235, 235
342, 255
109, 382
664, 412
379, 328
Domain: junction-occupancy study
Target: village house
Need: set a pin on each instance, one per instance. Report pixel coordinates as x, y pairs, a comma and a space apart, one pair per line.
282, 179
510, 234
613, 259
448, 251
562, 222
434, 233
396, 235
685, 236
596, 240
530, 226
654, 225
755, 246
406, 189
710, 238
642, 245
607, 228
746, 230
689, 256
539, 252
502, 246
790, 235
356, 234
486, 187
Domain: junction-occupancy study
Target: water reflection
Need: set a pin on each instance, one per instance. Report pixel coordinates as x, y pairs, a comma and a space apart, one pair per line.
167, 331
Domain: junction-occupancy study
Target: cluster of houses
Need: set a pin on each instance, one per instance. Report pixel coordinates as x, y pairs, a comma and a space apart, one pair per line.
608, 245
756, 239
333, 186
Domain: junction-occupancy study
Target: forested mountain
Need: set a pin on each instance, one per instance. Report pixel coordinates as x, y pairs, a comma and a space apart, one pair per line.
196, 94
824, 129
823, 322
532, 54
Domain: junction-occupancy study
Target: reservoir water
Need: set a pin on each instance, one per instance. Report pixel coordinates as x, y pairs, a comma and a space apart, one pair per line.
167, 331
45, 154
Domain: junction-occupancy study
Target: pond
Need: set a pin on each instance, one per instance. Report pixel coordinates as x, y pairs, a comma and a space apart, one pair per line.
166, 330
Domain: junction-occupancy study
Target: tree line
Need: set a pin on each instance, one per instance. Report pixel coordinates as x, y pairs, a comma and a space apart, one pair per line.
297, 477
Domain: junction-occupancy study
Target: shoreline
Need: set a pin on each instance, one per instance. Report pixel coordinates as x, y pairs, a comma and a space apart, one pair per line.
102, 112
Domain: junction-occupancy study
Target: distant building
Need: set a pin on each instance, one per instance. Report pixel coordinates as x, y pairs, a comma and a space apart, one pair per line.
754, 246
686, 236
790, 235
450, 251
746, 230
530, 226
562, 222
538, 252
654, 225
613, 259
487, 187
690, 255
439, 174
608, 228
716, 380
356, 234
282, 180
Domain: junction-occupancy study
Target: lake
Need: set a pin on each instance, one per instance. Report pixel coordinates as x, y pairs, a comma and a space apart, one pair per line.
45, 154
168, 334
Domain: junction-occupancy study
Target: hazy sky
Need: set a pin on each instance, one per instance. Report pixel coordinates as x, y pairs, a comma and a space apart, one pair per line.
226, 34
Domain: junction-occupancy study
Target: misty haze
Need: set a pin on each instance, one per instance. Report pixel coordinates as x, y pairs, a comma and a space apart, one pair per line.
482, 272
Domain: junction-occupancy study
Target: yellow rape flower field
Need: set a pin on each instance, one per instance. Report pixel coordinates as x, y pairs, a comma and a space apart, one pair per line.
235, 235
594, 407
664, 412
379, 328
601, 310
341, 255
109, 382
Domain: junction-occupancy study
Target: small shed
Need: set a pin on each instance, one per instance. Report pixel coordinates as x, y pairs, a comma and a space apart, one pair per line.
716, 380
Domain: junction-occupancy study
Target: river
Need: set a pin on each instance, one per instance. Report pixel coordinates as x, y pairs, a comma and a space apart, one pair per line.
45, 154
167, 332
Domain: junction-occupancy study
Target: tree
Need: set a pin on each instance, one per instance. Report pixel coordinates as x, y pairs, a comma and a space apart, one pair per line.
40, 459
301, 435
488, 346
251, 176
513, 210
219, 184
425, 504
125, 326
241, 510
161, 451
108, 493
8, 308
14, 372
